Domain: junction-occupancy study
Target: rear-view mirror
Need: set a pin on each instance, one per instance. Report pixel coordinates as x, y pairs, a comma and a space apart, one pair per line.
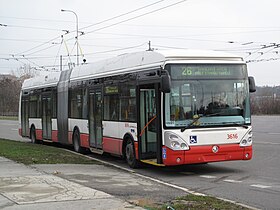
252, 85
165, 83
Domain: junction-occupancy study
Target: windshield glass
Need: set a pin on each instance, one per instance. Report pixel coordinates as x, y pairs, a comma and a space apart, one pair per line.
217, 97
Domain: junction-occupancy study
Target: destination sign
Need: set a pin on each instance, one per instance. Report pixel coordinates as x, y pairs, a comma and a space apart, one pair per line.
207, 71
111, 90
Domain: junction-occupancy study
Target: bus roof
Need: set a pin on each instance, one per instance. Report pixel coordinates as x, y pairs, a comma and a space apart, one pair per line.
42, 81
127, 63
130, 62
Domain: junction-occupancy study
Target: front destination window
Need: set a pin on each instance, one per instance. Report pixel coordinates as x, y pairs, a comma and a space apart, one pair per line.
207, 95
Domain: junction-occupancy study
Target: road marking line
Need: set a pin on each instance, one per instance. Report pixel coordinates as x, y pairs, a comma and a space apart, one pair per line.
208, 176
274, 133
14, 129
272, 143
161, 182
232, 181
260, 186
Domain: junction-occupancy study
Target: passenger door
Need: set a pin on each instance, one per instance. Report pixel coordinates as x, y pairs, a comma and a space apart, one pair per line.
47, 115
25, 116
149, 123
95, 118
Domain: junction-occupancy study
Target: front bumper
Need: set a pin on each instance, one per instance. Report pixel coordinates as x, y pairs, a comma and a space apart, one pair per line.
205, 154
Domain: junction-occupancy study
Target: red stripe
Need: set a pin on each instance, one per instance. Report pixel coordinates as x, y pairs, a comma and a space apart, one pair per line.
70, 140
112, 145
204, 154
39, 134
136, 150
20, 131
54, 136
84, 140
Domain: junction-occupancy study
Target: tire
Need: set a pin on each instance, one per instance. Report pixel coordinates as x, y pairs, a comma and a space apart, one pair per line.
130, 155
76, 143
33, 136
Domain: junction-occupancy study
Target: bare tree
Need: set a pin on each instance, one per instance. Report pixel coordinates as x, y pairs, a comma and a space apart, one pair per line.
24, 72
9, 94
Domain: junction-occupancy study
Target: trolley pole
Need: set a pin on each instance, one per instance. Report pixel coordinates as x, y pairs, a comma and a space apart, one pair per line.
77, 32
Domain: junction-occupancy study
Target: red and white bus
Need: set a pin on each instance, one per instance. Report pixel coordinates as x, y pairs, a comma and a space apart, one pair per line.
159, 107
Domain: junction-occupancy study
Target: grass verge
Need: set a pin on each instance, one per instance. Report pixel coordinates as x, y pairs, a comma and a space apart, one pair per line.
194, 202
28, 153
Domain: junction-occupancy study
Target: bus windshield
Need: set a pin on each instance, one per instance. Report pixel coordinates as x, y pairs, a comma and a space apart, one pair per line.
207, 95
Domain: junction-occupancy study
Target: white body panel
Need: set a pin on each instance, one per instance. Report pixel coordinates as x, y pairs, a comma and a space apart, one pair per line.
212, 136
37, 122
119, 129
81, 124
54, 124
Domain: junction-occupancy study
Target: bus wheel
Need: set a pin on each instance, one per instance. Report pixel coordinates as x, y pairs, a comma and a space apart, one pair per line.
130, 155
33, 136
76, 142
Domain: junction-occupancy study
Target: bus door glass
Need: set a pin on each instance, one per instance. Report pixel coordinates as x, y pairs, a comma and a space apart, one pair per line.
24, 116
95, 118
148, 116
47, 116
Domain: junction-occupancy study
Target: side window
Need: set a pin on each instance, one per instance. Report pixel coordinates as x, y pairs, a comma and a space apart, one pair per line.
75, 103
127, 102
111, 103
85, 103
33, 106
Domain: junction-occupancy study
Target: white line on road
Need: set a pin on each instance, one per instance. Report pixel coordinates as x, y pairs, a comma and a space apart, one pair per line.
208, 176
260, 186
14, 129
232, 181
266, 143
6, 124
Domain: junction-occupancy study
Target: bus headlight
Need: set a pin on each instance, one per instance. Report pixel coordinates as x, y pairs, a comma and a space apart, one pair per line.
175, 142
246, 140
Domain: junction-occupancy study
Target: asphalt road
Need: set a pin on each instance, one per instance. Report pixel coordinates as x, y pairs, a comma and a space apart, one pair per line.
255, 182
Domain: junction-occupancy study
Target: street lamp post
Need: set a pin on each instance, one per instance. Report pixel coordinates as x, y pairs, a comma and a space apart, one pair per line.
77, 32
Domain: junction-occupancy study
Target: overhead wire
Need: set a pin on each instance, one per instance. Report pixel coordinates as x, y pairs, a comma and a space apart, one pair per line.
32, 27
135, 17
47, 42
86, 27
115, 50
33, 62
121, 15
57, 55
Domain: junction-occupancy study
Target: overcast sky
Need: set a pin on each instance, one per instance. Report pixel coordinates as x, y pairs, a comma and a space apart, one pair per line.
31, 30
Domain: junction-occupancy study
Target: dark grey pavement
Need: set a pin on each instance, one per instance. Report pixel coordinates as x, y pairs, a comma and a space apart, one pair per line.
23, 187
255, 182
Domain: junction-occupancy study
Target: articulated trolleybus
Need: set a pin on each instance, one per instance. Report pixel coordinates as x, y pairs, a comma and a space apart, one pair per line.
159, 107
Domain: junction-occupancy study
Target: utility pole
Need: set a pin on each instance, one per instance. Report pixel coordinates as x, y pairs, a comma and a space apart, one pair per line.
150, 49
61, 63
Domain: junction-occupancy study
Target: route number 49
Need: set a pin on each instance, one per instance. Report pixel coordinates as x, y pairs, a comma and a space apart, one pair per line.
232, 136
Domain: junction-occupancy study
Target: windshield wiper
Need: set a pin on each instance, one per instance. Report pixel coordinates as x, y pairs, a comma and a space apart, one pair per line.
196, 119
237, 124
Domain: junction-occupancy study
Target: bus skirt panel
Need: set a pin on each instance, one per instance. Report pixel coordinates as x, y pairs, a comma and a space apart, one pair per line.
206, 154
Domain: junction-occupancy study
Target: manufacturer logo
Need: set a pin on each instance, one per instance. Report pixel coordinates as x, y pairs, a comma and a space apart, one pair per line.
215, 149
193, 139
